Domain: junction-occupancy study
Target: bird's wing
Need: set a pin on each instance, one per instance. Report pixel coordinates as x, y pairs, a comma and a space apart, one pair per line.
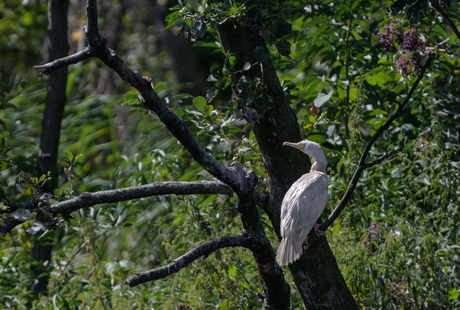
303, 203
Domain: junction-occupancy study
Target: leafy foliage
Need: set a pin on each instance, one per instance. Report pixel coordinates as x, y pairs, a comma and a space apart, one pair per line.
340, 66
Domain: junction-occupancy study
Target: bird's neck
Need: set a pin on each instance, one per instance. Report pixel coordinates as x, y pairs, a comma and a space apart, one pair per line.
320, 162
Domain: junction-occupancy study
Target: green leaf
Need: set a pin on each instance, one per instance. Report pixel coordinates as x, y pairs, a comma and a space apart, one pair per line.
199, 102
69, 156
160, 86
4, 134
377, 112
208, 110
453, 294
317, 138
225, 105
232, 61
42, 178
246, 66
75, 159
323, 96
171, 18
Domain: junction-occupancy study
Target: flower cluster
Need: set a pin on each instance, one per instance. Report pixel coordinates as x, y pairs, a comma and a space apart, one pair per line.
376, 235
399, 294
411, 47
387, 39
411, 42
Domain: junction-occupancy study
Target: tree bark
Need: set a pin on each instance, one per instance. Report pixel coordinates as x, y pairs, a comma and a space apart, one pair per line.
316, 274
51, 124
56, 97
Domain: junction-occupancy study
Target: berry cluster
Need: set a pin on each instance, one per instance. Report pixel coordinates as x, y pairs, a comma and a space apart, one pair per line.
411, 47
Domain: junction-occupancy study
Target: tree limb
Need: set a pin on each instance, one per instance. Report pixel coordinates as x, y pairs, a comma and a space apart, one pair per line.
239, 178
116, 195
97, 48
8, 225
203, 250
435, 4
65, 61
362, 162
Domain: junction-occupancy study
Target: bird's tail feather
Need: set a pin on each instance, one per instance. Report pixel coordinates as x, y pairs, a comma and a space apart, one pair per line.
289, 250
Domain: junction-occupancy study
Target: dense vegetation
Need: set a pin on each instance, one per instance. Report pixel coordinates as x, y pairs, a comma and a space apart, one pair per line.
345, 67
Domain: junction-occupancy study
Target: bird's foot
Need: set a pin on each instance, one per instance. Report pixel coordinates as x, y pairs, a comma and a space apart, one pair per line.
305, 244
318, 232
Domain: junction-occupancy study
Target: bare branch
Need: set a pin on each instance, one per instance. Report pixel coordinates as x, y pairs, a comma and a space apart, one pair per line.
65, 61
136, 192
91, 13
8, 202
435, 4
116, 195
381, 159
183, 261
362, 162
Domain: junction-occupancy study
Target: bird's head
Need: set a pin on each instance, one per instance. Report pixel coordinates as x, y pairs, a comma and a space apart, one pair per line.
306, 146
314, 150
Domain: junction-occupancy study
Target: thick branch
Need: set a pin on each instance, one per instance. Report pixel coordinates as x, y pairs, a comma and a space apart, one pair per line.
239, 178
362, 162
8, 225
129, 193
203, 250
91, 13
152, 101
116, 195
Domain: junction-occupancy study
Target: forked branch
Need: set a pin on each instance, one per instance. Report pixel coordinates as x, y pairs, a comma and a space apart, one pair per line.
363, 165
97, 48
240, 179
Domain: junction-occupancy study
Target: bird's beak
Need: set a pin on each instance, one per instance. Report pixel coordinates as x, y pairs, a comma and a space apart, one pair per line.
294, 145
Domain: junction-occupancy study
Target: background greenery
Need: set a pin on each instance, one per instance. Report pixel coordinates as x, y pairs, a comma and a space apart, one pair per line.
396, 242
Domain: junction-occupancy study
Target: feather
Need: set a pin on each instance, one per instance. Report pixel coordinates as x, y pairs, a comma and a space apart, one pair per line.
302, 205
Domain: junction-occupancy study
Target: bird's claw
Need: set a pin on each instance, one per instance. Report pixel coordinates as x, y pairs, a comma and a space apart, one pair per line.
318, 232
305, 245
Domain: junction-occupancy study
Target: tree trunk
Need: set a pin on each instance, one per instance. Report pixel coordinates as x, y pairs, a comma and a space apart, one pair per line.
273, 122
51, 124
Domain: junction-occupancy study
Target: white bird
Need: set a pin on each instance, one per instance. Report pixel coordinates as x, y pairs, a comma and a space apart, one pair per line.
303, 203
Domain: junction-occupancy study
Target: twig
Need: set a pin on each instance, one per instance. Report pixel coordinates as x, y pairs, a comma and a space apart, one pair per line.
6, 198
66, 61
381, 159
202, 250
362, 162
